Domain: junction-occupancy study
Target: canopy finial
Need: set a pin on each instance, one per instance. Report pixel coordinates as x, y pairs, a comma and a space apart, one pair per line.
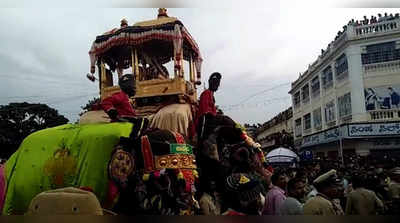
124, 22
162, 12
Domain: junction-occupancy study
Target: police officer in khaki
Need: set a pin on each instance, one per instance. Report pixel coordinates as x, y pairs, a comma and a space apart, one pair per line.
394, 185
328, 186
394, 191
362, 201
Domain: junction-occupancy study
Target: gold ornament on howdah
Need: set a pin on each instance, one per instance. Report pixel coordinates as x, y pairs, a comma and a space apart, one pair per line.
175, 161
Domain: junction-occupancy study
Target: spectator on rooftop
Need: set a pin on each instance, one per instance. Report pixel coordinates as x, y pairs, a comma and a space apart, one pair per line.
365, 21
386, 17
380, 19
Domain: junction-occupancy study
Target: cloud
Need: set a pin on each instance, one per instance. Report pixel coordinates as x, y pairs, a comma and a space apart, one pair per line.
44, 50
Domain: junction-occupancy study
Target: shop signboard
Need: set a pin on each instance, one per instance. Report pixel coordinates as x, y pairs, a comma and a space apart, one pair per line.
374, 129
330, 135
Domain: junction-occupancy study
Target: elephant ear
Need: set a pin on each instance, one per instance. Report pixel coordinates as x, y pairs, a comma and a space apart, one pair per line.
125, 144
140, 125
121, 166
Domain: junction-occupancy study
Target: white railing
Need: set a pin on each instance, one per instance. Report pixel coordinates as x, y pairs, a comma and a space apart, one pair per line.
382, 115
376, 28
316, 94
342, 76
341, 39
391, 66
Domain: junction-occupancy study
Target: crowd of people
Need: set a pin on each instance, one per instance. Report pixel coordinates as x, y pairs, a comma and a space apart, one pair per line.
374, 19
320, 187
365, 21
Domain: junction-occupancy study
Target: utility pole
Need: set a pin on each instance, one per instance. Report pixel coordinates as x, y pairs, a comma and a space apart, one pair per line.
341, 149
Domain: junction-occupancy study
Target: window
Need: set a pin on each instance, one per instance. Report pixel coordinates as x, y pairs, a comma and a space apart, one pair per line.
297, 99
344, 103
305, 93
315, 87
330, 112
317, 118
341, 67
327, 77
382, 52
297, 129
307, 121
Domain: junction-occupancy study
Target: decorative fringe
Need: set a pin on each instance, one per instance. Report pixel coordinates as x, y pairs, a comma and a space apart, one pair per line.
146, 177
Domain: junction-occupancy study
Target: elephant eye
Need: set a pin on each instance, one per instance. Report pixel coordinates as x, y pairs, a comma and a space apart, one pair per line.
75, 209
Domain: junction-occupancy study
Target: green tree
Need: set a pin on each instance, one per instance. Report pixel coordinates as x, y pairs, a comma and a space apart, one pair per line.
93, 104
18, 120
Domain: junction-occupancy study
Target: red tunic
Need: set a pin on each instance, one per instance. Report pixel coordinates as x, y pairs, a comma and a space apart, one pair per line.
231, 212
207, 103
120, 102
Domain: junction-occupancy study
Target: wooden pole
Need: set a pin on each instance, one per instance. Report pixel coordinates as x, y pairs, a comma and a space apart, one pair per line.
133, 62
181, 63
191, 70
136, 65
103, 75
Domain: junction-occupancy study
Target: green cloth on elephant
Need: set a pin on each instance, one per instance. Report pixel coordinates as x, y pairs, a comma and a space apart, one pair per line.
63, 156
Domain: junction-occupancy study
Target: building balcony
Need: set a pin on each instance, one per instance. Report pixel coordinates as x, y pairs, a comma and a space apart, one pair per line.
328, 86
305, 100
307, 131
268, 143
316, 94
379, 68
375, 29
385, 115
346, 119
298, 131
331, 124
297, 106
318, 127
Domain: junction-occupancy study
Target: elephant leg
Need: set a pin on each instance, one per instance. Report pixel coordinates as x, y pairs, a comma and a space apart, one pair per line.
3, 186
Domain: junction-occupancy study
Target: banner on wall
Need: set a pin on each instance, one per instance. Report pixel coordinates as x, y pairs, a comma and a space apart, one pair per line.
384, 97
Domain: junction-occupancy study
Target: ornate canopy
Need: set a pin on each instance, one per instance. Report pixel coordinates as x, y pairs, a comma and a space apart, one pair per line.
163, 38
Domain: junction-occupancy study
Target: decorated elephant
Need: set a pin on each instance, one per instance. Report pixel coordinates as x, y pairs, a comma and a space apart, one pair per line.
130, 169
225, 148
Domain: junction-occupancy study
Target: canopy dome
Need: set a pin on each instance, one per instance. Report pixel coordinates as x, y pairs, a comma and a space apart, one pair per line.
281, 155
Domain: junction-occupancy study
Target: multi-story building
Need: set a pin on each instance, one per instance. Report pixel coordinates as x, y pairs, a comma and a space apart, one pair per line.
348, 100
276, 132
251, 130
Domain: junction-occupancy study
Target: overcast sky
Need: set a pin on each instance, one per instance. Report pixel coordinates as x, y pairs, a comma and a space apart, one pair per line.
257, 48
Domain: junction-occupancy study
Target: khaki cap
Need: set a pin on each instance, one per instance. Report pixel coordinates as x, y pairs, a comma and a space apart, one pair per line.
66, 201
329, 177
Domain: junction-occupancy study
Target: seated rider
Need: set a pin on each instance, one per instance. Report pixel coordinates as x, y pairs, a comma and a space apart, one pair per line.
118, 105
